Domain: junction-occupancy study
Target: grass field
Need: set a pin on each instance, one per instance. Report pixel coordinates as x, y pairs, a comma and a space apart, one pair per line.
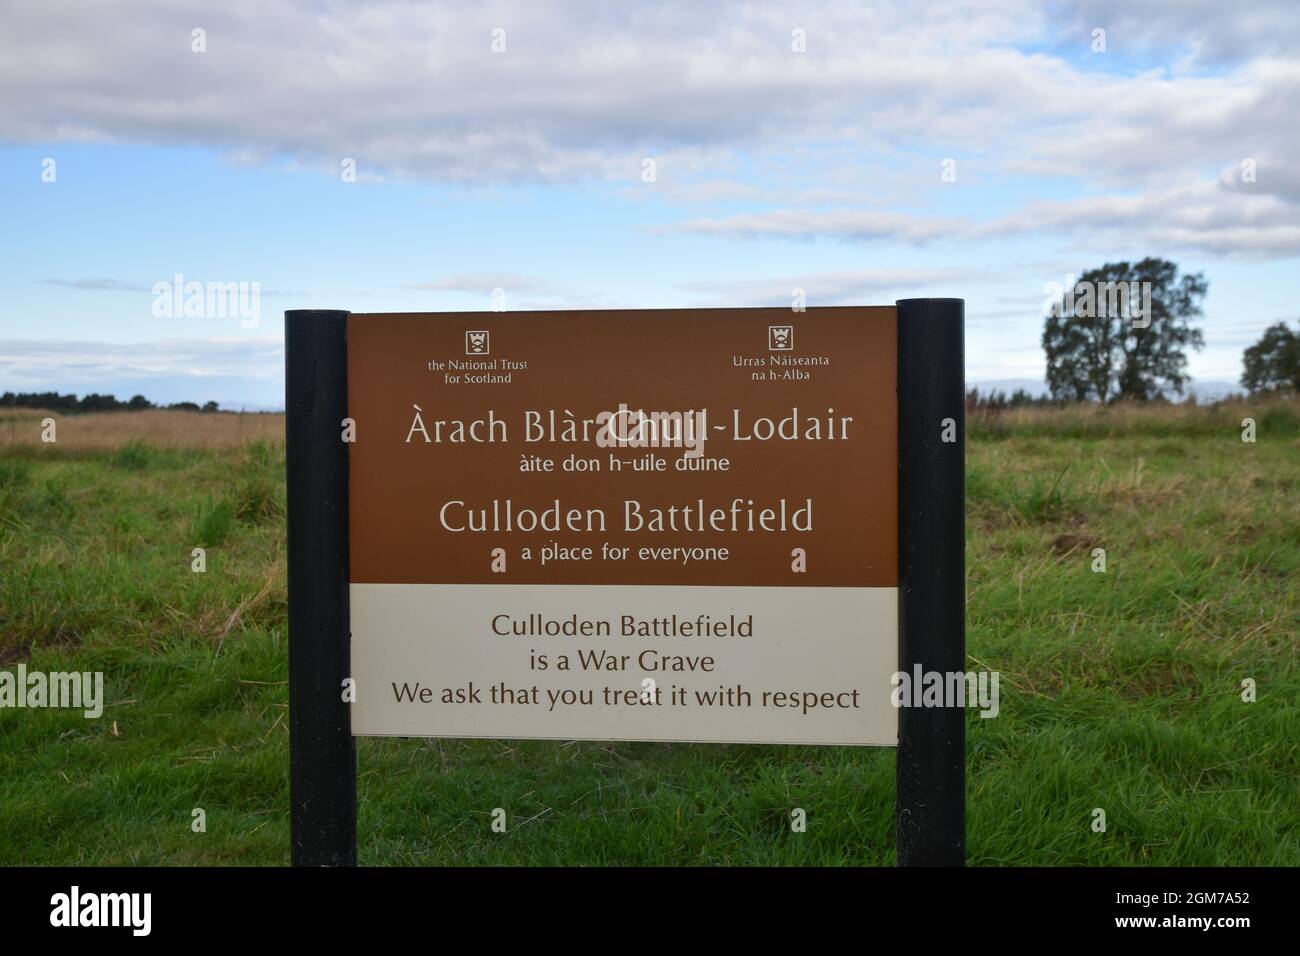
1120, 690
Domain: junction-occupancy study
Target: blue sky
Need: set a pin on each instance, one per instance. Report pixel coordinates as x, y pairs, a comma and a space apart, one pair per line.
522, 169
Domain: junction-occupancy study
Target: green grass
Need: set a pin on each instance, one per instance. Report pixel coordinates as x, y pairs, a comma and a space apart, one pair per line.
1120, 690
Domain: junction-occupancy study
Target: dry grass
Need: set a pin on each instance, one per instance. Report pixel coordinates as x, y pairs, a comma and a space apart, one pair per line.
1138, 418
103, 431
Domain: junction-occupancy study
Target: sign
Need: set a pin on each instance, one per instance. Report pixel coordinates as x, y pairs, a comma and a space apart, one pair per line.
707, 525
639, 525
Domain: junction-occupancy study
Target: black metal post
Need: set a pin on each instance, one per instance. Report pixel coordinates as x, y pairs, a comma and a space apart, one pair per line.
931, 774
322, 752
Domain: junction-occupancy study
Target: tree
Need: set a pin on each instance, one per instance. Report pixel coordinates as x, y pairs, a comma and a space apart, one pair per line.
1122, 332
1273, 363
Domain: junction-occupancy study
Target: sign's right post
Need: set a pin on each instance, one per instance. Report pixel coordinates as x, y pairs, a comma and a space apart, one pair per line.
931, 769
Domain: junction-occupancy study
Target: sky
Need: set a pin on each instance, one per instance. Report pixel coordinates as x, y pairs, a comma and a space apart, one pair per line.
416, 156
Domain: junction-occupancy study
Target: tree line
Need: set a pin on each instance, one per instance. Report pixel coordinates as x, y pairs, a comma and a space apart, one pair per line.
70, 405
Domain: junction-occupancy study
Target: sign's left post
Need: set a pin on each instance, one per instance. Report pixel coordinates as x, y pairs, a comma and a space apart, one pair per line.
322, 751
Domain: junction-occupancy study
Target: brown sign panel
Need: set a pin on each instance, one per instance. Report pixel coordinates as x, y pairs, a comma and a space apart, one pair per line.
475, 431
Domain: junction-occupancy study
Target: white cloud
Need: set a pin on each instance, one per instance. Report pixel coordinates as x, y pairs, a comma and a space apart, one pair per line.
32, 365
586, 90
1201, 216
523, 292
97, 285
1205, 216
1207, 31
853, 225
484, 282
848, 287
